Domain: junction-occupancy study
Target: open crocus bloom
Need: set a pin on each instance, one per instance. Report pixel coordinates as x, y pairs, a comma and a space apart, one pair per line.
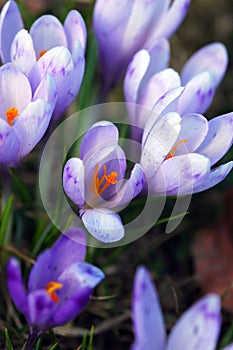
148, 79
48, 47
178, 153
59, 285
24, 117
95, 182
197, 329
120, 28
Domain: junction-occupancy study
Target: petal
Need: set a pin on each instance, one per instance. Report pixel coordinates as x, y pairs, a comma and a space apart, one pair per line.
212, 58
149, 328
75, 29
15, 90
40, 309
22, 51
78, 281
104, 225
73, 180
229, 347
219, 138
199, 327
47, 90
179, 175
198, 94
9, 143
16, 286
47, 32
70, 248
213, 178
10, 23
31, 125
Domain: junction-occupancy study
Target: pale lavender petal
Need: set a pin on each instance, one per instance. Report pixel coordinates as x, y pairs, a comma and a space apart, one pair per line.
47, 90
10, 23
47, 32
15, 90
9, 143
69, 249
229, 347
179, 175
22, 51
31, 125
199, 327
213, 178
103, 224
212, 58
75, 29
40, 309
198, 94
15, 285
149, 328
73, 180
219, 138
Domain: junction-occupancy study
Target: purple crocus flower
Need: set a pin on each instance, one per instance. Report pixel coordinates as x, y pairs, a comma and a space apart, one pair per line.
94, 182
59, 286
24, 116
198, 328
124, 27
146, 82
48, 47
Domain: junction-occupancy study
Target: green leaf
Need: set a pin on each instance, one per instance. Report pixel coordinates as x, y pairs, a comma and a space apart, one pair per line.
5, 221
8, 341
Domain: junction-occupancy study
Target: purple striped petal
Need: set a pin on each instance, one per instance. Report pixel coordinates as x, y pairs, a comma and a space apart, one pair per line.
47, 90
199, 327
40, 309
149, 328
10, 23
75, 29
103, 224
9, 143
73, 180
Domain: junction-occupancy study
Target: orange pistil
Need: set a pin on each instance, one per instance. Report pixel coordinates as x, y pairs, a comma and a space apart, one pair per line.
11, 114
41, 54
51, 287
106, 181
174, 148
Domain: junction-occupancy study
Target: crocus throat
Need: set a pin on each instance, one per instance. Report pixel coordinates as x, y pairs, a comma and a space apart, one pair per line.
99, 185
174, 148
11, 114
51, 288
41, 54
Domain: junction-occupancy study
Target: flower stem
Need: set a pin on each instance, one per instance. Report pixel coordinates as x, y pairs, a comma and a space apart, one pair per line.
6, 205
31, 342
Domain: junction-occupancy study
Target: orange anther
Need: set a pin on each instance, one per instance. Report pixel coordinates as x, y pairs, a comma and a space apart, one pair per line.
51, 287
41, 54
174, 148
11, 114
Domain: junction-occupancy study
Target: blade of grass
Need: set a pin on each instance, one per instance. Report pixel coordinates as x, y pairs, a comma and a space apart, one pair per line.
8, 341
5, 221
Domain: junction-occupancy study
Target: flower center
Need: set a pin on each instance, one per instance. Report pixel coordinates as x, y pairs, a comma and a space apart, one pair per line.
51, 288
11, 114
41, 54
99, 185
174, 148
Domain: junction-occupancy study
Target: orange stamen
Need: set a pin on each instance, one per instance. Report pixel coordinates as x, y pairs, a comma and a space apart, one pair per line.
174, 148
11, 114
108, 179
41, 54
51, 287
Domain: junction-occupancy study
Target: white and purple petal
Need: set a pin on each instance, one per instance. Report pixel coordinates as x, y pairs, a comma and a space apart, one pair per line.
75, 29
47, 90
73, 180
9, 143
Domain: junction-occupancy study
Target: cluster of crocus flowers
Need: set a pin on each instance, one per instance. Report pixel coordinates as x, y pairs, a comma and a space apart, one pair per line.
95, 182
59, 286
47, 47
198, 327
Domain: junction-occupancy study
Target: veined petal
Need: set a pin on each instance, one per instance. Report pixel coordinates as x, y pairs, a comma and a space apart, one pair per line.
16, 286
103, 224
10, 23
69, 249
22, 51
31, 125
9, 143
75, 29
199, 327
40, 309
212, 58
73, 180
198, 94
219, 138
149, 328
213, 178
47, 90
47, 32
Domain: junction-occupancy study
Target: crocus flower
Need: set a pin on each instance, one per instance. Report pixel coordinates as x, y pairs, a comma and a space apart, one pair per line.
146, 81
24, 116
59, 285
94, 182
48, 47
122, 28
198, 328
